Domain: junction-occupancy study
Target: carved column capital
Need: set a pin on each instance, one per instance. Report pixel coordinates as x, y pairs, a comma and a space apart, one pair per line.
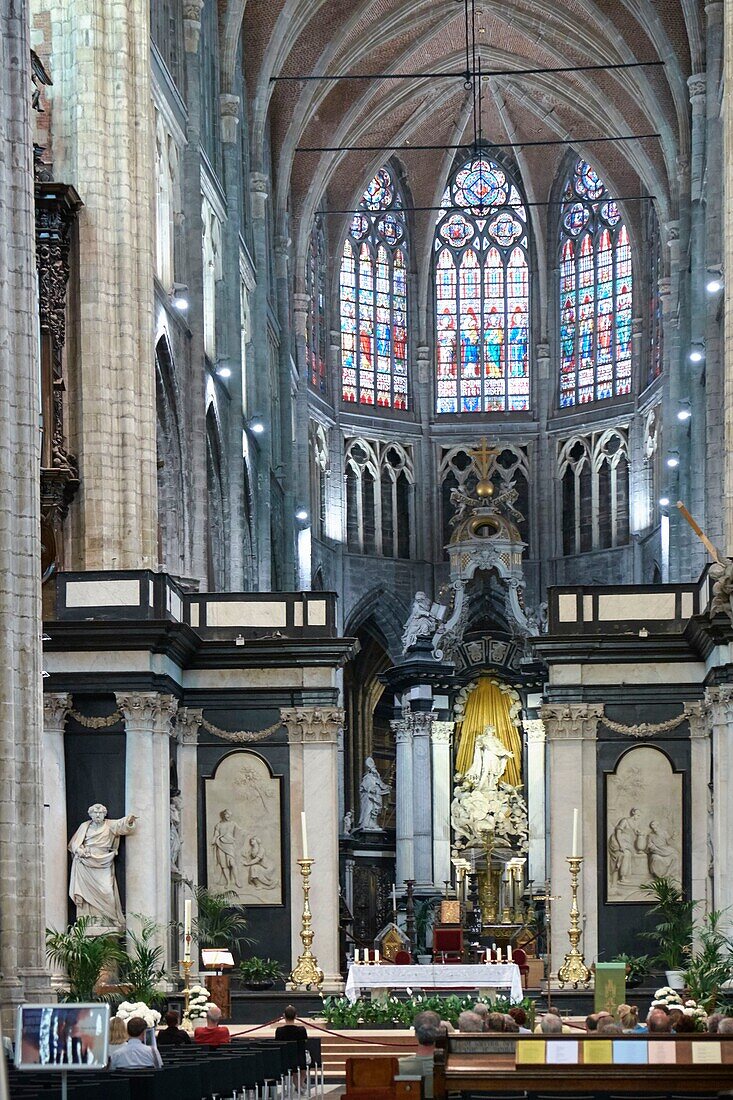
698, 717
442, 732
719, 700
188, 720
535, 730
229, 117
697, 85
401, 730
571, 721
192, 24
55, 708
306, 725
146, 711
259, 187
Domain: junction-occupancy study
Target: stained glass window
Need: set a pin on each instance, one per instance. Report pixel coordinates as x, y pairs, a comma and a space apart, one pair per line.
482, 293
373, 293
315, 279
595, 292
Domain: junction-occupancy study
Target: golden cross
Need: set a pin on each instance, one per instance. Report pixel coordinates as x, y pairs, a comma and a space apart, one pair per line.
483, 456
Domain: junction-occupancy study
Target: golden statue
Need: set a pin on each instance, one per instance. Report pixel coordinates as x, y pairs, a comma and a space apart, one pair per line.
488, 705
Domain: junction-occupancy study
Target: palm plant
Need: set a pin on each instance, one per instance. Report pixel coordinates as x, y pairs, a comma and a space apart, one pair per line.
675, 923
712, 963
82, 956
140, 968
218, 922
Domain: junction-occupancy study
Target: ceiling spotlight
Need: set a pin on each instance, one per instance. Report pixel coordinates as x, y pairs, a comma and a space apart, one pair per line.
179, 296
301, 514
697, 353
664, 501
256, 425
673, 461
224, 372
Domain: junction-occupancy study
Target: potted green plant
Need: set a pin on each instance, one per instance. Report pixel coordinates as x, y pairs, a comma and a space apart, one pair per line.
140, 967
674, 930
637, 968
218, 921
710, 965
82, 956
257, 973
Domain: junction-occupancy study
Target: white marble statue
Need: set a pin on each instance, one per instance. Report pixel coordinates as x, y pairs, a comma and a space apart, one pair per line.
348, 824
490, 757
175, 839
372, 790
227, 841
422, 621
92, 885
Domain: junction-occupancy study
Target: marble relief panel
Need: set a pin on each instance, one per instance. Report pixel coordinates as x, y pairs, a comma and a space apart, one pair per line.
644, 824
244, 830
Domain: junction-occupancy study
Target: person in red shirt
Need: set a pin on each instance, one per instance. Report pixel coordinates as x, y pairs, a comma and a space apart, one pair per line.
214, 1034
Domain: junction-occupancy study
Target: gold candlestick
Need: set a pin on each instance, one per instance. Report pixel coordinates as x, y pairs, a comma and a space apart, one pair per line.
186, 1022
573, 970
306, 971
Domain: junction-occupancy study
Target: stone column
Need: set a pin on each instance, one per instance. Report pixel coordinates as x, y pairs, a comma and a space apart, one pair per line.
147, 795
262, 404
102, 140
188, 721
23, 972
405, 854
422, 812
699, 716
55, 709
313, 738
728, 268
440, 742
720, 702
571, 735
536, 801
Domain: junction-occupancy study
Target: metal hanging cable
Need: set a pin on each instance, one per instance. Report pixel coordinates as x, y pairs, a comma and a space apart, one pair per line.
486, 208
610, 67
462, 145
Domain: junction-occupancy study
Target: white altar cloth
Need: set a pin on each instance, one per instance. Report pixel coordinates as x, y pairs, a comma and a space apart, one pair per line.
500, 976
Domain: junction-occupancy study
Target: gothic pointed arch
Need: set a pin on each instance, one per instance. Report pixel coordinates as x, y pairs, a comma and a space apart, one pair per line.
482, 303
373, 298
595, 291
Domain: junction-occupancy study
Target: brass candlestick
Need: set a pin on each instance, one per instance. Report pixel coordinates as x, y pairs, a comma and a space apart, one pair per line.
186, 1022
306, 971
573, 970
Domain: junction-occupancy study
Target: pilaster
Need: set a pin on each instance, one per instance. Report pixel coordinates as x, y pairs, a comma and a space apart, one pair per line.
719, 702
313, 740
405, 846
700, 721
441, 738
55, 709
534, 728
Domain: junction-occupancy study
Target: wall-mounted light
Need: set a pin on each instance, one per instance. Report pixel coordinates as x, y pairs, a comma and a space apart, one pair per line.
714, 283
697, 353
684, 412
301, 514
673, 460
224, 372
664, 502
256, 425
179, 296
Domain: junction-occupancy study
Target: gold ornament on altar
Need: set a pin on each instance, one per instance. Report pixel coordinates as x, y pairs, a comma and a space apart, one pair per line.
306, 972
573, 970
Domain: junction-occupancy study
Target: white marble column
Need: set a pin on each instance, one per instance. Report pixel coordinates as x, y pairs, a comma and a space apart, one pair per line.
147, 771
536, 800
313, 737
405, 862
422, 809
440, 742
701, 804
571, 763
55, 709
188, 721
720, 701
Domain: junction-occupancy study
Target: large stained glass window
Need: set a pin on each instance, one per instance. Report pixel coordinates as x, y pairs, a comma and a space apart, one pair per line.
373, 291
315, 279
595, 292
482, 293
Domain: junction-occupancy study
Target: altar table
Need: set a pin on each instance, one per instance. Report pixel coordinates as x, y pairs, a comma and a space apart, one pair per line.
501, 976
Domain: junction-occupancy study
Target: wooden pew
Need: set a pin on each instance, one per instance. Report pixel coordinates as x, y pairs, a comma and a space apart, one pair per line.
373, 1078
700, 1065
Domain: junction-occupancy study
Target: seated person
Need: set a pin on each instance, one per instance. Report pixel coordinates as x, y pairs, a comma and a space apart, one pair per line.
550, 1024
290, 1032
562, 1030
510, 1025
685, 1025
117, 1033
469, 1021
214, 1034
172, 1035
714, 1022
420, 1064
658, 1022
495, 1022
519, 1016
134, 1054
609, 1027
725, 1027
628, 1017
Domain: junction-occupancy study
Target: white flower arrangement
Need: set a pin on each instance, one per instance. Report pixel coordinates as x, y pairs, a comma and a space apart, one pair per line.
198, 1002
127, 1009
666, 997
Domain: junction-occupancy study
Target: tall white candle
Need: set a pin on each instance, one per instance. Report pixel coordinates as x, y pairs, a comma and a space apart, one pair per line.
187, 930
575, 832
509, 953
356, 955
394, 897
376, 956
304, 831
